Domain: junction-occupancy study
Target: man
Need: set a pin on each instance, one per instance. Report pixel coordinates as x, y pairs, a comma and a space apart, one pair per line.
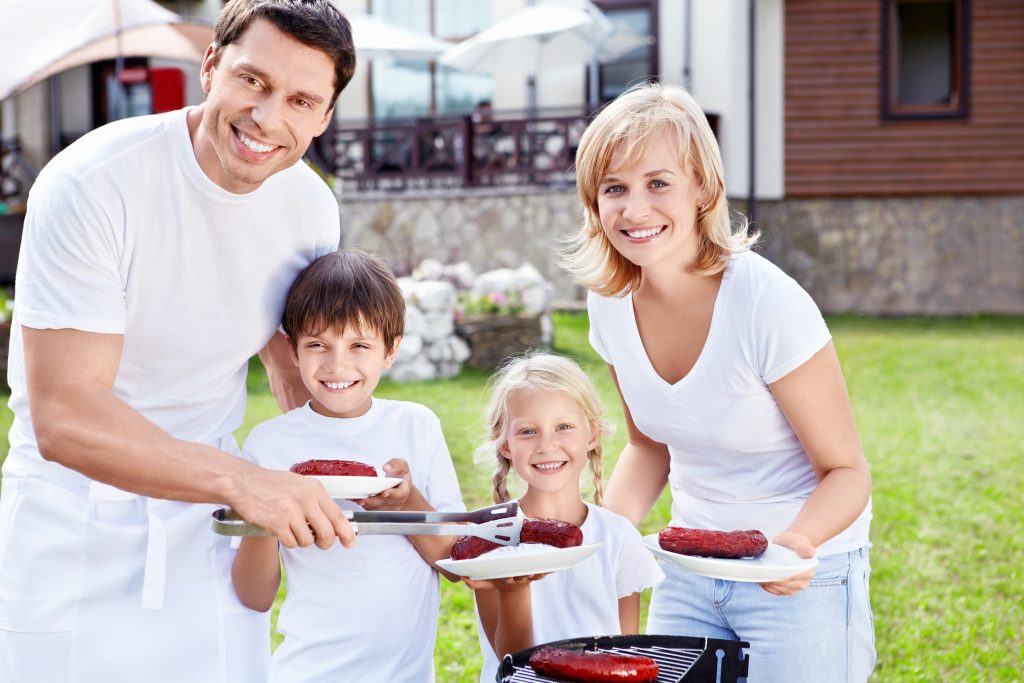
155, 261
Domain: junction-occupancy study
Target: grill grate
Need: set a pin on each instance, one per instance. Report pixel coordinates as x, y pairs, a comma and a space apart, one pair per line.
680, 659
672, 664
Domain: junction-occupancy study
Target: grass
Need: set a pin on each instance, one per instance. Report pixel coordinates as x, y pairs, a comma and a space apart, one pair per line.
940, 408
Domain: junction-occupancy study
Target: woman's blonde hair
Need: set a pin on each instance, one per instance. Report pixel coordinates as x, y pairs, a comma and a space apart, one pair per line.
633, 123
549, 372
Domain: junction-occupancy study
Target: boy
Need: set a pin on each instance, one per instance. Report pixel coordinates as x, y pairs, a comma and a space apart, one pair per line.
368, 613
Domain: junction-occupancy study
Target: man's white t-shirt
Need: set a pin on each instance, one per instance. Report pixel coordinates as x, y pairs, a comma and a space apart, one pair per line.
369, 612
126, 235
584, 599
735, 461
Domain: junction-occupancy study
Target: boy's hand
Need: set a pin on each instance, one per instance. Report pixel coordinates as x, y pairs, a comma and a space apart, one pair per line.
509, 584
393, 498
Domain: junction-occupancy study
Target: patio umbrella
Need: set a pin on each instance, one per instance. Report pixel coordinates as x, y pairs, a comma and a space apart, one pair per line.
375, 38
545, 35
38, 40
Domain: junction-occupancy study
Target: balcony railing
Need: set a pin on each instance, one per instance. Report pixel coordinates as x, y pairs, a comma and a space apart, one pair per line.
454, 152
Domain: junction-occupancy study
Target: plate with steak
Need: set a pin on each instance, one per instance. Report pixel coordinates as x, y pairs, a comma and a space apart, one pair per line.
545, 545
732, 555
346, 478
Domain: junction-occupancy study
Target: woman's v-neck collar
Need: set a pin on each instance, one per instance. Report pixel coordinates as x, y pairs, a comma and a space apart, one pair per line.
717, 312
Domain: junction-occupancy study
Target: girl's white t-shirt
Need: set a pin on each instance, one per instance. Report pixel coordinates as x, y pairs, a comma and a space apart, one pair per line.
369, 612
584, 599
736, 462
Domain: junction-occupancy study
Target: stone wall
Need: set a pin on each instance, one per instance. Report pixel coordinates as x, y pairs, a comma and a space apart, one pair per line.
889, 256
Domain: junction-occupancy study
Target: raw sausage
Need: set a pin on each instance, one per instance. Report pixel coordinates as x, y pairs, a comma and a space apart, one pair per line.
725, 544
547, 531
334, 468
592, 667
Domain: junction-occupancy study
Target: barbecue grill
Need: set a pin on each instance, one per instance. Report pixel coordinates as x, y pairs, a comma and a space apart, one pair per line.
681, 659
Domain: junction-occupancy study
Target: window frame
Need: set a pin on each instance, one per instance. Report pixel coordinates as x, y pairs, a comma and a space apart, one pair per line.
892, 110
653, 51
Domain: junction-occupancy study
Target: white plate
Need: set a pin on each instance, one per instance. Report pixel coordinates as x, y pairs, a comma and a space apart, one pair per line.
778, 562
521, 560
357, 487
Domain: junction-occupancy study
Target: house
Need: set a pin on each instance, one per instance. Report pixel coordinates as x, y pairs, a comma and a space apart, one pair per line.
876, 144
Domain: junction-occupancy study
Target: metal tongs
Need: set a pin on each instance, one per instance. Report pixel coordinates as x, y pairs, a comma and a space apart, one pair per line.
501, 524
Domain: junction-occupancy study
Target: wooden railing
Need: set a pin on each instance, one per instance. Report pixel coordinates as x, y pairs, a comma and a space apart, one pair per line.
453, 152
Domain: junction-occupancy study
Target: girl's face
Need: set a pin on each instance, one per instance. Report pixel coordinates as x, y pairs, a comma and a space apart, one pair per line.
648, 206
548, 440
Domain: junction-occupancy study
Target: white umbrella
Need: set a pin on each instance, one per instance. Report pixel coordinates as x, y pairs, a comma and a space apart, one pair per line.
375, 38
38, 40
547, 34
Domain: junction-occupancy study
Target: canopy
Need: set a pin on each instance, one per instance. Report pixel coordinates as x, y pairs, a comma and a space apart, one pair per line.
40, 39
375, 38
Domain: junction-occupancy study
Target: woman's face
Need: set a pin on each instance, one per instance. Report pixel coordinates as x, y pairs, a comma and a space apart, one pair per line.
648, 206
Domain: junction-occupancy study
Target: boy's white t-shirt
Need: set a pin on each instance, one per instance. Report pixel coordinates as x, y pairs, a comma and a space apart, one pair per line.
584, 599
126, 235
369, 612
736, 462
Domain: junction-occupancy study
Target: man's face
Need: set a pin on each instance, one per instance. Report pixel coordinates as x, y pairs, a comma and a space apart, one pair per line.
268, 96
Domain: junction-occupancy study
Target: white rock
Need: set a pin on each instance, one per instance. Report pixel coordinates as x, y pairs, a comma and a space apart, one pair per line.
428, 269
527, 275
547, 330
460, 349
448, 369
498, 281
415, 322
418, 370
408, 286
460, 274
411, 346
440, 324
434, 295
535, 298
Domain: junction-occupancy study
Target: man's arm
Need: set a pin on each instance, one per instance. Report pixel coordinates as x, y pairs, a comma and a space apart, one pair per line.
282, 372
81, 424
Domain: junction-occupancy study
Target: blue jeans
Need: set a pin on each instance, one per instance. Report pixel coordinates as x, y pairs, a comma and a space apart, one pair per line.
824, 634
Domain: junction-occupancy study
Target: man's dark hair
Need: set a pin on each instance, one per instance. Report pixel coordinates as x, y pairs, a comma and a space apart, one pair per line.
316, 23
345, 288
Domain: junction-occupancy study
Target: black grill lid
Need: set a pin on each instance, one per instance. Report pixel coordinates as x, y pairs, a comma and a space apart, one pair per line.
682, 659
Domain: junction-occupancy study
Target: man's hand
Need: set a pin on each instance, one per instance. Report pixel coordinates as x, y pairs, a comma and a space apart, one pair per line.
294, 508
283, 374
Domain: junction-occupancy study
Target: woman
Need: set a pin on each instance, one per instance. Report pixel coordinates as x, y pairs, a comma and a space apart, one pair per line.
731, 389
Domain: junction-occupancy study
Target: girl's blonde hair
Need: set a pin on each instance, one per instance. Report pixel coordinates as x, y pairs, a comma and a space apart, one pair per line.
633, 123
549, 372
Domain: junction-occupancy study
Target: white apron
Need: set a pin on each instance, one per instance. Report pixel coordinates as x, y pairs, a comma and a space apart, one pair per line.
97, 584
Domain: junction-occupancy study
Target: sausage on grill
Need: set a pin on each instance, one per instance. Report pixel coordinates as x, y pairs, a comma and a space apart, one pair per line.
592, 667
547, 531
725, 544
334, 468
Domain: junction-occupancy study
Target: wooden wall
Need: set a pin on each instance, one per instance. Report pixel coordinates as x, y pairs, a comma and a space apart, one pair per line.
836, 142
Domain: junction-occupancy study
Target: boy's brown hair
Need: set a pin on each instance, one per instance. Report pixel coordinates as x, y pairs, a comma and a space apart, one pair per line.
344, 288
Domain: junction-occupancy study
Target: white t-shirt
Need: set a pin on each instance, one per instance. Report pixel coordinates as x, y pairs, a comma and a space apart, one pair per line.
584, 599
126, 235
735, 461
369, 612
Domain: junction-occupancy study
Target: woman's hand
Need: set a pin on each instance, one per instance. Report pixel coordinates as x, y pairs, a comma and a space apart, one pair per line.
803, 547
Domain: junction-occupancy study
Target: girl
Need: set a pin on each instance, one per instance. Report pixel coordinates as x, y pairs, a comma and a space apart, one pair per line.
545, 422
732, 392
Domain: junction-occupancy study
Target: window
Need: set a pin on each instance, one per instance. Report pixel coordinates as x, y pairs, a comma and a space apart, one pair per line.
640, 64
924, 59
416, 89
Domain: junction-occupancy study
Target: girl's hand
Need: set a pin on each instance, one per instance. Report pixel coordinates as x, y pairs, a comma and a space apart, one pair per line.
803, 547
393, 498
512, 583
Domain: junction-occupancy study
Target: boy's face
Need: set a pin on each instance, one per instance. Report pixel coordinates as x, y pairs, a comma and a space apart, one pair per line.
268, 96
341, 368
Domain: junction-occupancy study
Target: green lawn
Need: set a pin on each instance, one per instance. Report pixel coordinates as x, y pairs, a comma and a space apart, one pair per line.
940, 407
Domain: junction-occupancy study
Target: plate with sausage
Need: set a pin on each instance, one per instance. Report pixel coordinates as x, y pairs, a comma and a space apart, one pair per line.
346, 478
520, 560
758, 560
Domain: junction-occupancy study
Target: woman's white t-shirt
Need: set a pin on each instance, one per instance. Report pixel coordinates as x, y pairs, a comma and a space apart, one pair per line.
584, 599
735, 461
